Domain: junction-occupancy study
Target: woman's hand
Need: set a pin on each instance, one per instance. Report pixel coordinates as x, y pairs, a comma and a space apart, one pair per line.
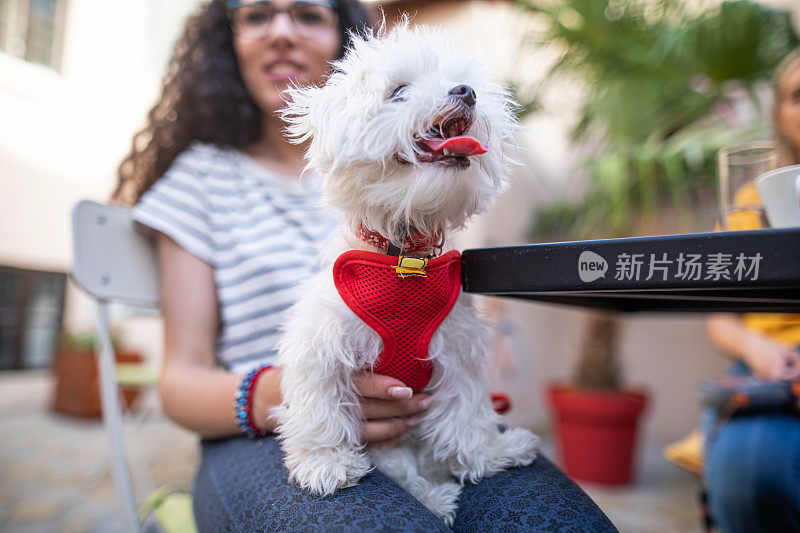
389, 408
771, 361
387, 405
766, 358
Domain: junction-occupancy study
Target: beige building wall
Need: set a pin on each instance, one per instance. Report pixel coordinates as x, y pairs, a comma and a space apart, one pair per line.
63, 133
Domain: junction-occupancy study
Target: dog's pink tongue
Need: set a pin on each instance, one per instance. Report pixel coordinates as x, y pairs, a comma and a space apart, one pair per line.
462, 145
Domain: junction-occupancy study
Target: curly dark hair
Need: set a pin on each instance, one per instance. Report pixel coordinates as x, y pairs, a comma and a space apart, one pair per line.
204, 98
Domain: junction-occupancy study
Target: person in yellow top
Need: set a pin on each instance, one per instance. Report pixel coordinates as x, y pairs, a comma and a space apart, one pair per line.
752, 465
783, 328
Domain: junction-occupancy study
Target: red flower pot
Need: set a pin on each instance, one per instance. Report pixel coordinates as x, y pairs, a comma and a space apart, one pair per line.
597, 432
77, 386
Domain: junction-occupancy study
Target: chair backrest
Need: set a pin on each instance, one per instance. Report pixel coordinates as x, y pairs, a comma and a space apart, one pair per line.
113, 258
113, 262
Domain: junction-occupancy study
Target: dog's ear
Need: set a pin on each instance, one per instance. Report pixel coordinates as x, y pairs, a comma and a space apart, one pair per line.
298, 113
310, 114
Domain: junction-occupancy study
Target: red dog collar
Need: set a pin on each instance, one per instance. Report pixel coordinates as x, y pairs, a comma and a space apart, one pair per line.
405, 310
414, 243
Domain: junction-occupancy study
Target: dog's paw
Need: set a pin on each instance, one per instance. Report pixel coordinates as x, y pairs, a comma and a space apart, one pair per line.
323, 471
442, 500
517, 447
514, 447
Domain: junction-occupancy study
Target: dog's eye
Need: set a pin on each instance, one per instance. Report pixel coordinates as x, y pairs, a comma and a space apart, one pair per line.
397, 93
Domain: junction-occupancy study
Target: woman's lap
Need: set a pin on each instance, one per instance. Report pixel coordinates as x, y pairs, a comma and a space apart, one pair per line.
753, 473
242, 485
539, 497
752, 469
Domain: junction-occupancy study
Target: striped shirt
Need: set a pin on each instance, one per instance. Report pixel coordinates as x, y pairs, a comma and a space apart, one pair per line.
258, 231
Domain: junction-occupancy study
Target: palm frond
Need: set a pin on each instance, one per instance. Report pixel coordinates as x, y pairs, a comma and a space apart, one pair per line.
654, 75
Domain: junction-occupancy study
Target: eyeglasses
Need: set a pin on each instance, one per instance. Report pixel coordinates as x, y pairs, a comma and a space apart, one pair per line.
253, 20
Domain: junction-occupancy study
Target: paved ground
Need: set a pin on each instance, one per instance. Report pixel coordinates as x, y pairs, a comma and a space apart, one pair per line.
53, 469
53, 473
663, 499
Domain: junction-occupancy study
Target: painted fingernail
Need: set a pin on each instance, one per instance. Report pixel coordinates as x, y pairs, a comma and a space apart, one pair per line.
401, 393
412, 421
424, 403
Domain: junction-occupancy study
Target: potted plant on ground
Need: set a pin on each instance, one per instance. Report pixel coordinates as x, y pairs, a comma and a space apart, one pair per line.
596, 419
660, 85
76, 387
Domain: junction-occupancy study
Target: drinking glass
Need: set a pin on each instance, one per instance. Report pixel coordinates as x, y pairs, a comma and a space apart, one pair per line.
739, 203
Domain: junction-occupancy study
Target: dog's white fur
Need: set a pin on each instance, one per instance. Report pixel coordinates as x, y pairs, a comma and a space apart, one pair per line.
356, 132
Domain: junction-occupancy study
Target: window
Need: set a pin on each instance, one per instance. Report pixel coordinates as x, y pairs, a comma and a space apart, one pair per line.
31, 312
32, 30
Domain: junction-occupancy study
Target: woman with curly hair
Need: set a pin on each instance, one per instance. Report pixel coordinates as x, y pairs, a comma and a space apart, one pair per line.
236, 231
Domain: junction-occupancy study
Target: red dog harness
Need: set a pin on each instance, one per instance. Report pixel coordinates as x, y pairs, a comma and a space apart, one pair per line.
405, 310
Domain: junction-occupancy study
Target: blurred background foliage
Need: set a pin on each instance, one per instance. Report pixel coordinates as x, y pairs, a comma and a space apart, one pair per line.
660, 81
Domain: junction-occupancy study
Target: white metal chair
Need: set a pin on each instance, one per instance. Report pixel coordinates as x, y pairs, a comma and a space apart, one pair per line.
114, 262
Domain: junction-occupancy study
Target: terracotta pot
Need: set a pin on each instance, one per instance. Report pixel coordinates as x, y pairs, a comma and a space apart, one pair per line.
77, 387
597, 432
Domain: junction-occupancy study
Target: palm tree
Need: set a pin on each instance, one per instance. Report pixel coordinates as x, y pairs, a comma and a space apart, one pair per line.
658, 77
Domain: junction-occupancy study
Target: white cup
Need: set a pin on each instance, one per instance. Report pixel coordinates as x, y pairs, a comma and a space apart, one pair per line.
780, 192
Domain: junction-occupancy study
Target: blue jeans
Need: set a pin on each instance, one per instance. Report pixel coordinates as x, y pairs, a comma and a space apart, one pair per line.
242, 485
752, 471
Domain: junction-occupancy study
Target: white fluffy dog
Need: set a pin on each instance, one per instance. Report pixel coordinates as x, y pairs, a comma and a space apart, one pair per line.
381, 132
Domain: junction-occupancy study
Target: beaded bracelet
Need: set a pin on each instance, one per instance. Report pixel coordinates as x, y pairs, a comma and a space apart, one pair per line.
243, 403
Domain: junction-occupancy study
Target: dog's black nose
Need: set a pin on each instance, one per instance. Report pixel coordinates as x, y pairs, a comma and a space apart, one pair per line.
465, 93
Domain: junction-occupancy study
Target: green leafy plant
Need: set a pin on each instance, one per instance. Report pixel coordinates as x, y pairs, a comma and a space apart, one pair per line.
660, 81
86, 341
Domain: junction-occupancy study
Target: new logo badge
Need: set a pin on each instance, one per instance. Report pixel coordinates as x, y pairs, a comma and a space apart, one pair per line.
591, 266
